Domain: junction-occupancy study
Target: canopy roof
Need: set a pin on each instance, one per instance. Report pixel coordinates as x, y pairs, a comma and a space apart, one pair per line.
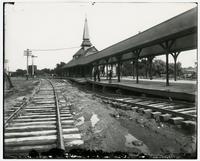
181, 28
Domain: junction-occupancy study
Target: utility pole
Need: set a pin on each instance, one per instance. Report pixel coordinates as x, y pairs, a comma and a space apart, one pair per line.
33, 56
27, 53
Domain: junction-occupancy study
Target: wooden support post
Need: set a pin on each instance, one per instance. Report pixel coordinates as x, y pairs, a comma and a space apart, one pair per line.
90, 71
80, 71
137, 74
150, 60
167, 46
167, 69
146, 68
133, 68
175, 55
111, 73
119, 72
121, 69
136, 53
118, 68
75, 71
83, 71
107, 69
95, 72
98, 73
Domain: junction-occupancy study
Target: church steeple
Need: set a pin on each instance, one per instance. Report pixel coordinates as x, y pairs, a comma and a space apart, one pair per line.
86, 40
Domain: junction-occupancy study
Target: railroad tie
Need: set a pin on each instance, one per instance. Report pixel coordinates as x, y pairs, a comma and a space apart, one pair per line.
36, 125
147, 113
140, 110
189, 125
156, 115
176, 120
134, 108
165, 117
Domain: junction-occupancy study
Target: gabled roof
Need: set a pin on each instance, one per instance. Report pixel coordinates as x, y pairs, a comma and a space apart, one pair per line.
89, 51
79, 52
182, 28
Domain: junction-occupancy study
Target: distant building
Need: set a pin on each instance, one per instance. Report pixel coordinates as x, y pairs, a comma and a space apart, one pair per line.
85, 51
86, 46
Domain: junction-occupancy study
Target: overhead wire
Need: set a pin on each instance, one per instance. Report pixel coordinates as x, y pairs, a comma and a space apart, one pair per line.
55, 49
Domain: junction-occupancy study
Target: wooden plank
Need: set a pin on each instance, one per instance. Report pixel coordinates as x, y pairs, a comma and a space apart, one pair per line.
29, 133
71, 136
32, 140
189, 112
165, 117
74, 142
176, 120
26, 149
30, 127
36, 119
189, 125
183, 109
147, 113
156, 115
47, 123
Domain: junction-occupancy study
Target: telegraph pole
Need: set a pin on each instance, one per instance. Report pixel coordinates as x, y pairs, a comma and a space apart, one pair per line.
27, 53
32, 56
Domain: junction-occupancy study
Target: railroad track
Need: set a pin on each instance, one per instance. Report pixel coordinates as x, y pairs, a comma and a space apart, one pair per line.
178, 113
42, 124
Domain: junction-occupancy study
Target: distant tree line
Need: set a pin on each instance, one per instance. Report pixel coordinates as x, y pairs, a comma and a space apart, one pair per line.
42, 72
158, 70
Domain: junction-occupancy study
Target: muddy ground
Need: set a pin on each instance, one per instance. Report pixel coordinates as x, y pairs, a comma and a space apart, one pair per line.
108, 129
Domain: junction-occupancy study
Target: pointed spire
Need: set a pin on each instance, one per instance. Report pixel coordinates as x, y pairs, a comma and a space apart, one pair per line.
86, 31
86, 39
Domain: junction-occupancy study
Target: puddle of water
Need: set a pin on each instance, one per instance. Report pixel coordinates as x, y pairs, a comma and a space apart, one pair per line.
81, 121
94, 119
129, 143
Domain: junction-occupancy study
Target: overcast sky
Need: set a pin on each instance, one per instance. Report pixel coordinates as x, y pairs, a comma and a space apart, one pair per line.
52, 25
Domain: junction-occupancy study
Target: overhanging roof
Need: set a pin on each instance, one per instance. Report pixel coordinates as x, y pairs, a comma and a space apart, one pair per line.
182, 28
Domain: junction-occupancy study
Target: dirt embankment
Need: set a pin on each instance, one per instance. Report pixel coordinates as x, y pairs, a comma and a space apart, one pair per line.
22, 89
108, 129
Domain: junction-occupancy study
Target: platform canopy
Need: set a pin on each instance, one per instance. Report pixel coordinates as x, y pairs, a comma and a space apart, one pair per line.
181, 29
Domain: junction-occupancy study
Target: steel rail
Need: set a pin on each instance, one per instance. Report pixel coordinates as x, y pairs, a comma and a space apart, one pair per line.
186, 116
60, 139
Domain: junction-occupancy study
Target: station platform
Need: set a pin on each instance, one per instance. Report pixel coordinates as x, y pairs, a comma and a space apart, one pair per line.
180, 89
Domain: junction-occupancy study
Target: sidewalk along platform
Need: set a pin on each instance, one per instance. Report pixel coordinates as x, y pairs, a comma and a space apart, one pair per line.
178, 91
